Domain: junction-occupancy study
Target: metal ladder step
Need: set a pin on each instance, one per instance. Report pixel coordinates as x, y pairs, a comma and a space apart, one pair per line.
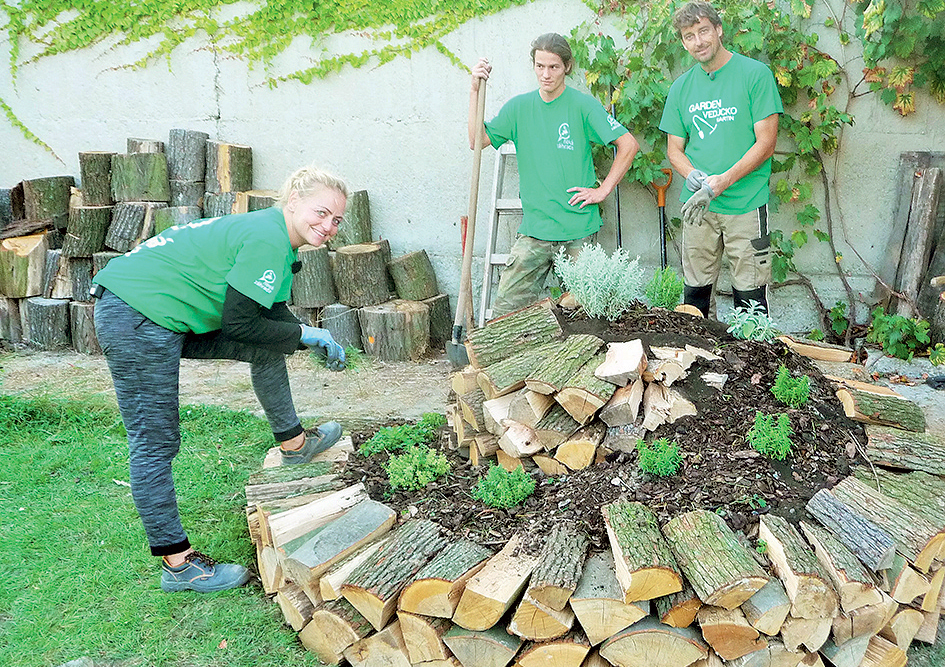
500, 206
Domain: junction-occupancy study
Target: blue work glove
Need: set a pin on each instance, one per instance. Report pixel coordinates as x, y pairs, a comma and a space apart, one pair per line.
693, 211
315, 337
695, 180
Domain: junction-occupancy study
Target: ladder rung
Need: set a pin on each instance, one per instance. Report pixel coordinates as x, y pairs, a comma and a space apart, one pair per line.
508, 205
498, 260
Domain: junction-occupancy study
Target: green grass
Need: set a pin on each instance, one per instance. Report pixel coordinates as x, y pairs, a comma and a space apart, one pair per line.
77, 577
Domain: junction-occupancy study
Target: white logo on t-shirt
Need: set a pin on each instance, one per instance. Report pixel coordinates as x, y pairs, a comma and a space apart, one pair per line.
266, 282
713, 113
564, 137
614, 125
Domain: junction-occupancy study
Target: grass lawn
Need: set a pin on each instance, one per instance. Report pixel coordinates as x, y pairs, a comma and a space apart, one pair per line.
78, 579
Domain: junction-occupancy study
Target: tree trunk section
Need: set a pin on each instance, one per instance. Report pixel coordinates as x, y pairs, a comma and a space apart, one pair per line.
165, 218
82, 319
229, 167
512, 333
132, 222
870, 543
395, 331
187, 193
296, 607
678, 609
357, 225
134, 145
653, 644
919, 241
537, 622
95, 168
880, 405
6, 208
187, 155
140, 177
342, 322
22, 264
441, 319
561, 362
360, 275
254, 200
313, 286
850, 578
85, 235
10, 328
48, 323
896, 448
48, 199
437, 588
490, 648
57, 284
101, 259
216, 204
413, 276
559, 566
583, 394
333, 628
921, 492
721, 570
598, 600
555, 427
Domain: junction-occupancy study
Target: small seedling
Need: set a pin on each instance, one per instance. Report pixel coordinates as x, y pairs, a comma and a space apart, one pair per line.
791, 391
899, 336
659, 458
751, 323
664, 289
354, 358
415, 468
761, 547
395, 438
501, 488
771, 435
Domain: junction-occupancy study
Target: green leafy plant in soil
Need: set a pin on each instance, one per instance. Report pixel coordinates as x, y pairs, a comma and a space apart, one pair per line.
899, 336
396, 438
791, 391
605, 285
501, 488
771, 435
664, 289
751, 323
659, 457
78, 577
937, 354
415, 468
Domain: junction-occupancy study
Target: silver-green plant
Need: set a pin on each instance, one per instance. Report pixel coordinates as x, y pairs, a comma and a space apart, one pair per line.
605, 286
752, 323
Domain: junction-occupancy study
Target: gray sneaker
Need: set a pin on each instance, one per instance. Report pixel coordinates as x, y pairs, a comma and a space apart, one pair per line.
202, 574
316, 442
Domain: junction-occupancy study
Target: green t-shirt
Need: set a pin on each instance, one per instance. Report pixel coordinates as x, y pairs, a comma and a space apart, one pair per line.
553, 149
179, 278
716, 117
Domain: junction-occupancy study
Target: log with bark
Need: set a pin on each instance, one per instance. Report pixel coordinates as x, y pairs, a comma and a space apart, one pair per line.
720, 569
82, 332
186, 155
728, 633
578, 451
896, 448
470, 405
297, 521
334, 627
85, 234
649, 642
270, 569
382, 648
921, 492
397, 330
646, 567
875, 404
678, 609
535, 621
254, 200
360, 275
866, 620
47, 323
284, 482
848, 654
441, 319
10, 326
482, 648
623, 363
510, 334
343, 324
22, 263
559, 566
229, 167
313, 286
919, 239
767, 609
436, 589
555, 427
818, 350
172, 216
584, 394
132, 223
872, 545
413, 276
140, 177
775, 654
509, 375
423, 637
560, 363
57, 283
598, 601
217, 204
296, 606
357, 226
136, 145
95, 168
187, 193
329, 586
48, 199
101, 259
850, 578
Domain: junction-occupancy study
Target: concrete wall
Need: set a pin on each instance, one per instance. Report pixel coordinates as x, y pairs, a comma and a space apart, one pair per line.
399, 131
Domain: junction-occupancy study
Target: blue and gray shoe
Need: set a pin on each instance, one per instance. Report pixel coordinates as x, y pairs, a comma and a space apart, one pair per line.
202, 574
316, 442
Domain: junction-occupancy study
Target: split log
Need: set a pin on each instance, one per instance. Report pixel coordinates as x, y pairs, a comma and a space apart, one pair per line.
583, 394
313, 286
10, 327
866, 620
464, 381
812, 633
22, 263
384, 246
48, 199
805, 580
216, 204
82, 333
509, 375
560, 363
919, 239
767, 609
374, 586
818, 350
649, 642
664, 371
361, 275
187, 155
26, 228
491, 591
329, 586
173, 216
333, 628
931, 600
470, 404
916, 538
897, 448
47, 323
902, 582
728, 633
646, 567
229, 167
296, 606
57, 284
921, 492
140, 177
537, 622
357, 227
594, 660
624, 406
343, 324
187, 193
567, 651
293, 523
623, 363
775, 654
928, 631
132, 222
413, 276
254, 200
848, 654
385, 648
722, 571
559, 566
881, 653
495, 412
518, 440
678, 609
509, 462
85, 234
555, 427
423, 637
901, 629
550, 466
95, 169
872, 545
441, 319
436, 589
850, 578
529, 407
623, 438
874, 404
270, 569
716, 380
512, 333
397, 330
287, 482
578, 451
144, 145
489, 648
598, 600
664, 405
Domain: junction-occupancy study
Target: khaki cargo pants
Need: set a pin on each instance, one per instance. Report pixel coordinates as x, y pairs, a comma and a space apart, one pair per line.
522, 281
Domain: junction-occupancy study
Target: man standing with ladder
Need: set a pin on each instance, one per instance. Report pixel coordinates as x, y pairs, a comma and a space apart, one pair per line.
552, 129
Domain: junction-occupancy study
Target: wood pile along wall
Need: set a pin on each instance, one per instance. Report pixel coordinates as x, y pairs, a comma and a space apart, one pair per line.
855, 583
54, 237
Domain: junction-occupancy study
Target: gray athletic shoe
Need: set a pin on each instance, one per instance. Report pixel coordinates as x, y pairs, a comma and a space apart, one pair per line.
316, 442
202, 574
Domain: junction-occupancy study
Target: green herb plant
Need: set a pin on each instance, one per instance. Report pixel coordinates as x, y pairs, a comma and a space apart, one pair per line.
771, 435
605, 285
790, 390
664, 289
396, 438
501, 488
899, 336
659, 457
751, 323
416, 467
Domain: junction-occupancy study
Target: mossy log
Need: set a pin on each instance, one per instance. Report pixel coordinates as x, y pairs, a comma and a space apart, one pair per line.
140, 177
423, 637
360, 275
343, 324
907, 450
512, 333
85, 234
721, 570
441, 321
555, 427
397, 330
172, 216
48, 199
646, 567
728, 633
482, 648
229, 167
584, 394
850, 578
375, 585
186, 155
313, 286
921, 492
357, 226
767, 609
598, 600
413, 276
329, 585
95, 168
872, 545
535, 621
649, 642
559, 566
187, 193
47, 323
561, 362
296, 606
805, 580
873, 404
509, 375
334, 627
82, 332
22, 264
132, 223
216, 204
678, 609
436, 589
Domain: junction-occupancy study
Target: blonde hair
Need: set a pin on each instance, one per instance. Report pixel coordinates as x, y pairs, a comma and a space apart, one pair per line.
307, 181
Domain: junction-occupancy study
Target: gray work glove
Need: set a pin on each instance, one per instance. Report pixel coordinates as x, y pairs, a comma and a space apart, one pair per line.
693, 211
321, 338
695, 180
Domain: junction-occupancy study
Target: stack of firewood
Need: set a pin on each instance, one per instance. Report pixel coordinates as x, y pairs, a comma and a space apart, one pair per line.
55, 237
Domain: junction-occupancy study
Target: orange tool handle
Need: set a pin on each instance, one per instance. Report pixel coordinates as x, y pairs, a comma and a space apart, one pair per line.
661, 189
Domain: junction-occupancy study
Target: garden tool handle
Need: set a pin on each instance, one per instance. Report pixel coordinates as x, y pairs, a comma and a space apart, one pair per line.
661, 189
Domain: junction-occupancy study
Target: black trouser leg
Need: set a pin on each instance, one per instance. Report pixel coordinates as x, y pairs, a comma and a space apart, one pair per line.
698, 297
743, 297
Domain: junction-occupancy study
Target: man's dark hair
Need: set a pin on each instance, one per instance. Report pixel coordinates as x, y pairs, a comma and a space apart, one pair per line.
693, 12
554, 43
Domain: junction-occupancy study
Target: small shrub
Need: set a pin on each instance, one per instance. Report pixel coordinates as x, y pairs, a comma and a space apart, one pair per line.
664, 289
501, 488
771, 435
937, 355
395, 438
660, 457
791, 391
899, 336
415, 468
752, 323
605, 286
838, 318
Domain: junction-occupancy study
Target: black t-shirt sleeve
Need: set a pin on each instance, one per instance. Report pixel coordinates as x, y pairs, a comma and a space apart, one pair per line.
245, 321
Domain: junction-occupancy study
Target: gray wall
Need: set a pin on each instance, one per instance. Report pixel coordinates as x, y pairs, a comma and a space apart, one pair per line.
399, 131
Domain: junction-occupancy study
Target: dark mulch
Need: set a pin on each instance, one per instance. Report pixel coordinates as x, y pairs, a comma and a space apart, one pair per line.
720, 472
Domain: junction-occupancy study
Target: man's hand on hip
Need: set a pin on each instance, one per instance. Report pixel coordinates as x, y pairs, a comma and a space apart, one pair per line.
586, 196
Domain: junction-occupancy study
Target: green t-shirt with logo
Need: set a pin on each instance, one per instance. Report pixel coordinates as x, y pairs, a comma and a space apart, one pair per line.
716, 117
553, 148
179, 278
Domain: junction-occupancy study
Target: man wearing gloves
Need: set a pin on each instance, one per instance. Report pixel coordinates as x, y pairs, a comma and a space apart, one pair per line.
721, 121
